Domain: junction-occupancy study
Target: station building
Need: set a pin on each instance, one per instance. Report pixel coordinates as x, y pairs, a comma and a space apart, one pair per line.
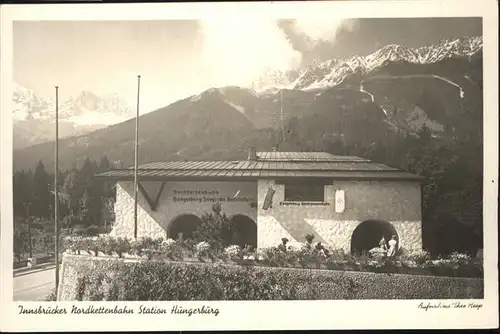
345, 202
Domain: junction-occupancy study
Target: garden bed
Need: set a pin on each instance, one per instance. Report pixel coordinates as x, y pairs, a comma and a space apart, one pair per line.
416, 263
98, 278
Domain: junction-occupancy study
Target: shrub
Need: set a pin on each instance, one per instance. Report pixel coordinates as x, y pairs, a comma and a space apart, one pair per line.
172, 249
108, 245
378, 252
115, 279
189, 246
153, 280
273, 257
202, 250
146, 246
74, 244
460, 258
307, 255
214, 228
234, 253
122, 246
419, 257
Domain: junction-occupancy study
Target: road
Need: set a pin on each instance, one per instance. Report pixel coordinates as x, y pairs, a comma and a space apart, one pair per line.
35, 285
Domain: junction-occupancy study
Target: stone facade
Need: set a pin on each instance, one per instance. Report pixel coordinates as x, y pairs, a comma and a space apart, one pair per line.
398, 203
177, 199
395, 202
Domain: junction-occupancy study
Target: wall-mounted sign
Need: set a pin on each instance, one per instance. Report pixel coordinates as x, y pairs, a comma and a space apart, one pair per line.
268, 201
339, 201
208, 196
292, 203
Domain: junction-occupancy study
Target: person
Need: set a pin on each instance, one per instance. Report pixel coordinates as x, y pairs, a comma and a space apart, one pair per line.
282, 246
392, 246
180, 237
383, 244
321, 249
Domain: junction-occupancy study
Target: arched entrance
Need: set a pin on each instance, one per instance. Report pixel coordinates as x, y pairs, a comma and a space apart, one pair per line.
367, 235
243, 231
186, 224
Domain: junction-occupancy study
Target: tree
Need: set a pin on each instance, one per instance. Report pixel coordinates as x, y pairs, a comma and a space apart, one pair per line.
104, 164
85, 216
41, 193
93, 189
71, 190
215, 228
108, 213
22, 192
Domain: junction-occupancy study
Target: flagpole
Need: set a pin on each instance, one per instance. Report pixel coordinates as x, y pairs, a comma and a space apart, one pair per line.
136, 156
56, 194
281, 118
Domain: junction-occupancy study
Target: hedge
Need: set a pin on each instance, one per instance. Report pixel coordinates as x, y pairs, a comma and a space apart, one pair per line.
105, 278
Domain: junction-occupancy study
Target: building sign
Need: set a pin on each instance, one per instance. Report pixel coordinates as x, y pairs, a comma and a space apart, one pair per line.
339, 201
207, 196
290, 203
268, 201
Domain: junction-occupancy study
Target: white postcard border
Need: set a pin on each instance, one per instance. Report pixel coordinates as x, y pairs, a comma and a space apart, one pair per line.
355, 314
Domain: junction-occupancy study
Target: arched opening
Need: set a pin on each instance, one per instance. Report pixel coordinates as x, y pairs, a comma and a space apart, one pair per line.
185, 224
368, 234
243, 231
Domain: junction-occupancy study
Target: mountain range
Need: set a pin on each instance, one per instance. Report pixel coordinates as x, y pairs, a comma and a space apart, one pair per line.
330, 73
34, 116
354, 102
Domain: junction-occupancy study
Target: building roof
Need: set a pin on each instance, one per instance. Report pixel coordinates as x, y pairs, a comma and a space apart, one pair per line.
273, 165
306, 157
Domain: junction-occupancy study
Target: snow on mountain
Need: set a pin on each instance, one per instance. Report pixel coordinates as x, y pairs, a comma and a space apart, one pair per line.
29, 105
87, 108
90, 109
330, 73
34, 115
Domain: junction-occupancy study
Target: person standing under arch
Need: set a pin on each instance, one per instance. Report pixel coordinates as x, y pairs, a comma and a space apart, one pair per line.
392, 247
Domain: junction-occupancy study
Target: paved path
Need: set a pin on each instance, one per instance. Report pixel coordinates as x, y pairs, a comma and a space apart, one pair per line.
34, 285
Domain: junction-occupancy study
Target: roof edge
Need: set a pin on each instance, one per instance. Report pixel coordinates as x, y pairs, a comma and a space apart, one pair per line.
405, 177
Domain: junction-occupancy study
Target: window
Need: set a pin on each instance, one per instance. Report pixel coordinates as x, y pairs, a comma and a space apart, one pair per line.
304, 191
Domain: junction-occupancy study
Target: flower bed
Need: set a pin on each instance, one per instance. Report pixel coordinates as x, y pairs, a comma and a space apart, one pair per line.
415, 263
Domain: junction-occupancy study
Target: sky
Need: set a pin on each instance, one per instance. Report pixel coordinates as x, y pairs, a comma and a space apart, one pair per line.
177, 59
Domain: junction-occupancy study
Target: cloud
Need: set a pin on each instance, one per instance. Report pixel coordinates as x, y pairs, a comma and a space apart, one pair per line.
238, 50
322, 27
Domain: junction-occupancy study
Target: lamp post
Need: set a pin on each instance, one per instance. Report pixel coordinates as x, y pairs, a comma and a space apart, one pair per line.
56, 194
136, 156
28, 220
46, 238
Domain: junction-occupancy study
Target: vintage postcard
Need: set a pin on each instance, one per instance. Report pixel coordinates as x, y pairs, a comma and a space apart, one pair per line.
319, 165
